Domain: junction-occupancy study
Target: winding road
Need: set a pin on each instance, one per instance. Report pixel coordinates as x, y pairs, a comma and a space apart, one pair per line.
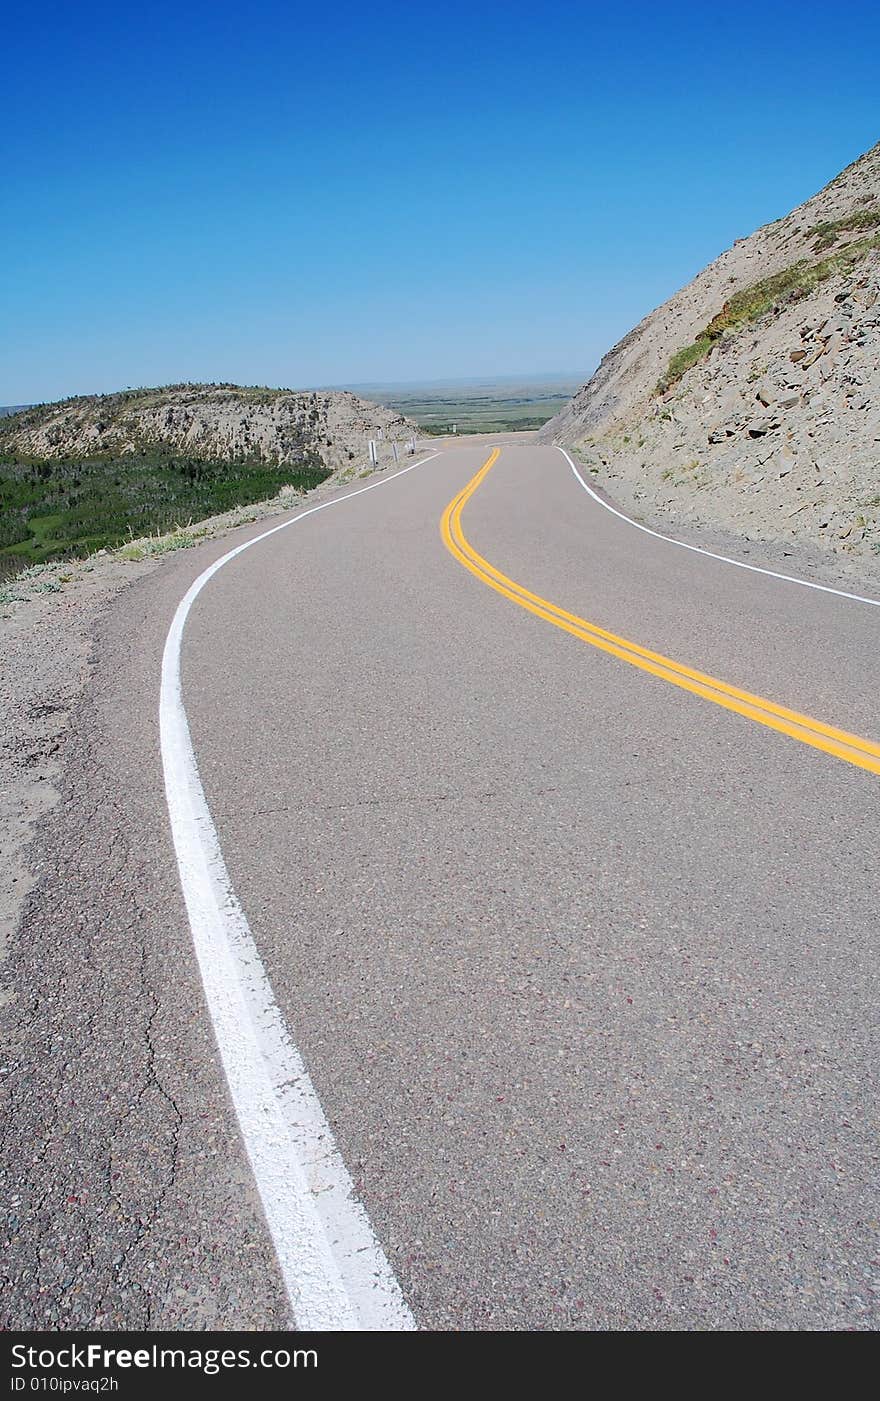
532, 866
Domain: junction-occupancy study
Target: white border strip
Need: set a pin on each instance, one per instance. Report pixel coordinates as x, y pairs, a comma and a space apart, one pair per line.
738, 563
334, 1269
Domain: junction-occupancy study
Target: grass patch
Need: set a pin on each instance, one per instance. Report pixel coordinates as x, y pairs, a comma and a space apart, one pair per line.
827, 234
72, 507
682, 360
770, 294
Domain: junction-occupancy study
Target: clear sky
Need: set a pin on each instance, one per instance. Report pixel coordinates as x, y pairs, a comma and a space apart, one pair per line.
299, 194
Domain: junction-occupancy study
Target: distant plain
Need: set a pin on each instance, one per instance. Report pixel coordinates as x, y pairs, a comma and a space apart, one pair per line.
477, 405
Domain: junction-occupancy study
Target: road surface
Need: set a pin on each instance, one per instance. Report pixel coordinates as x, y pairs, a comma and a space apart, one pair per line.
578, 946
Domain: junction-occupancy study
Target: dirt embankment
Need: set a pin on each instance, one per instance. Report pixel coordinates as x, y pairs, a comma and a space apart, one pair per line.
750, 402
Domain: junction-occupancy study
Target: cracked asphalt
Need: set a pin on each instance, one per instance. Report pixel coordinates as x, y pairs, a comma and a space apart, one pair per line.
129, 1204
584, 968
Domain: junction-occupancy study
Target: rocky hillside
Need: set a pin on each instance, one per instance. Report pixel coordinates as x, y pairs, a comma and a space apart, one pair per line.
208, 421
751, 400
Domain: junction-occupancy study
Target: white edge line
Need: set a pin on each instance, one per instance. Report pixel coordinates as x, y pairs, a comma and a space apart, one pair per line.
738, 563
334, 1269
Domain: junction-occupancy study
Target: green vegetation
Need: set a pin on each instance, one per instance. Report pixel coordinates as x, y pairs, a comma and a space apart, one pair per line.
71, 507
487, 406
827, 234
495, 420
683, 359
771, 294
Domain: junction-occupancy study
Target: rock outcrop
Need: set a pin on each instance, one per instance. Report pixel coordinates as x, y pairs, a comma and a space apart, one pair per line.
225, 422
751, 400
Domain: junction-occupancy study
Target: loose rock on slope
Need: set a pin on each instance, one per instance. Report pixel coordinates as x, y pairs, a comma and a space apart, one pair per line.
751, 400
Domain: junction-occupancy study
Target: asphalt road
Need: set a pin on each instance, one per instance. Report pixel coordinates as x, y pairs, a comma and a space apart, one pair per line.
583, 966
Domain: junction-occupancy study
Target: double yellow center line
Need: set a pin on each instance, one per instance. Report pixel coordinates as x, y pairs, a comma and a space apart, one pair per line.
850, 748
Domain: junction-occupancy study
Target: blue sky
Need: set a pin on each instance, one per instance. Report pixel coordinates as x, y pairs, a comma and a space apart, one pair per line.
300, 195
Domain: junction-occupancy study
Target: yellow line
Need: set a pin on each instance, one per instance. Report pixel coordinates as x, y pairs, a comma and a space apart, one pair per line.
852, 749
